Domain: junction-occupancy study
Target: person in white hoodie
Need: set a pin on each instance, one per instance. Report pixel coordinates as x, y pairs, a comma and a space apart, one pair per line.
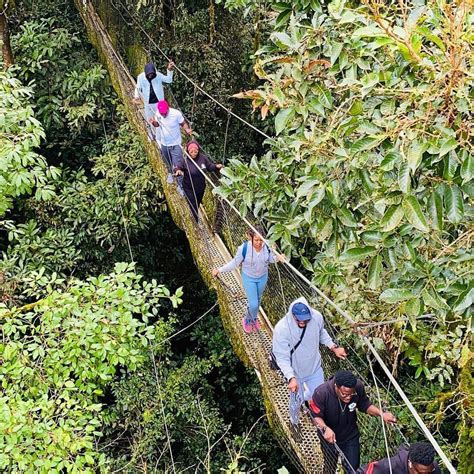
296, 340
149, 88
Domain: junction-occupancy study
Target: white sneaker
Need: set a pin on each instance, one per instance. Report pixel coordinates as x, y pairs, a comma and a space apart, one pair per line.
180, 191
170, 178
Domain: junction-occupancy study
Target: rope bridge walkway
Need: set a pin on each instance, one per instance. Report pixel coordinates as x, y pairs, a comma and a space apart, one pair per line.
213, 241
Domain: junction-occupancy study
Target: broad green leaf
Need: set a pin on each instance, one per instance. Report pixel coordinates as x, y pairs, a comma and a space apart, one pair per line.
435, 205
332, 245
413, 213
317, 197
364, 144
284, 41
375, 268
391, 218
305, 188
467, 169
390, 160
366, 181
357, 107
357, 253
371, 31
433, 300
429, 35
413, 307
282, 118
347, 218
450, 166
453, 204
415, 153
447, 145
404, 180
466, 301
395, 295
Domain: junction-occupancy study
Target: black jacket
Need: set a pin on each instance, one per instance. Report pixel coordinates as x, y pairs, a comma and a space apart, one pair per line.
399, 464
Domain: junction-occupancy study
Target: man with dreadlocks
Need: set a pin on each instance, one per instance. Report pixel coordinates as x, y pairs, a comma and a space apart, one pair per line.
417, 459
334, 406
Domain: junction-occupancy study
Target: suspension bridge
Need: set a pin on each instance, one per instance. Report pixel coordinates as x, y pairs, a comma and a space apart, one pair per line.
213, 241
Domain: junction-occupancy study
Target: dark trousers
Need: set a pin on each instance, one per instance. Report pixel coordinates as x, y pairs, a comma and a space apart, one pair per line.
194, 198
351, 450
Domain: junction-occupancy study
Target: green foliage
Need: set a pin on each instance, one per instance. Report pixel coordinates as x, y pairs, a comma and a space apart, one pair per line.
71, 91
122, 181
371, 169
83, 223
58, 356
22, 170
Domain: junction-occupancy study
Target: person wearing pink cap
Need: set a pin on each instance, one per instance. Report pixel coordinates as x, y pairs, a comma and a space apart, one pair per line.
194, 182
169, 122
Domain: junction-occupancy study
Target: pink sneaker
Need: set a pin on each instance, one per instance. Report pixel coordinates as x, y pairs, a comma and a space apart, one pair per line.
247, 325
256, 326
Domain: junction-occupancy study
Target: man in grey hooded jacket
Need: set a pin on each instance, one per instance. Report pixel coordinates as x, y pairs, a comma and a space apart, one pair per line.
301, 367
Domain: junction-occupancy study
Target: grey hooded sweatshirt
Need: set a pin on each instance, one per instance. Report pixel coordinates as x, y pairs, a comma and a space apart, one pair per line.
306, 359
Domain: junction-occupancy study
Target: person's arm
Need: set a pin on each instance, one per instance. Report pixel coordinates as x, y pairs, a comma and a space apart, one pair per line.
328, 433
386, 415
168, 77
210, 165
276, 257
318, 407
232, 265
136, 94
281, 350
153, 121
326, 339
185, 126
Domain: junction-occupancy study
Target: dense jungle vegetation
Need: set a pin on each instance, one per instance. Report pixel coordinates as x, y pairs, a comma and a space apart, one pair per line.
92, 376
368, 184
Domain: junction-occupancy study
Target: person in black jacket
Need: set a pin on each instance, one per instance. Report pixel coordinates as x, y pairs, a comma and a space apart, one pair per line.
417, 459
194, 182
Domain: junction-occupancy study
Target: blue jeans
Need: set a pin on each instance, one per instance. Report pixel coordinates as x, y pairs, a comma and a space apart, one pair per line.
173, 156
254, 288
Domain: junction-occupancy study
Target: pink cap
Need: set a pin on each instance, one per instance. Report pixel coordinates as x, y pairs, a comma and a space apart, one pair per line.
163, 107
192, 145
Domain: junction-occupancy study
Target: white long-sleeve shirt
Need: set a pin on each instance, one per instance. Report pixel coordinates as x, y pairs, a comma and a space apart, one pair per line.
142, 89
306, 359
255, 263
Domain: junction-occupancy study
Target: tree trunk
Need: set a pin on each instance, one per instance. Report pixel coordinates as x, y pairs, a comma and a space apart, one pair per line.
5, 38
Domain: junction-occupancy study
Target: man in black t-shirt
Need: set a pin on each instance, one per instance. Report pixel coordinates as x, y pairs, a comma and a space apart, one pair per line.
334, 407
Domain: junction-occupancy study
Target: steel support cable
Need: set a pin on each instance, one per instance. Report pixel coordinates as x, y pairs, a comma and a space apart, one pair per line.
151, 346
120, 205
329, 301
381, 414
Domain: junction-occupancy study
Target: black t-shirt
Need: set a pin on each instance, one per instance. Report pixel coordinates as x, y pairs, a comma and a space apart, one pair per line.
339, 416
152, 99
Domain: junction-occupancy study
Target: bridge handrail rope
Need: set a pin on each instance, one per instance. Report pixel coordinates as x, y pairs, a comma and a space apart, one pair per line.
297, 272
